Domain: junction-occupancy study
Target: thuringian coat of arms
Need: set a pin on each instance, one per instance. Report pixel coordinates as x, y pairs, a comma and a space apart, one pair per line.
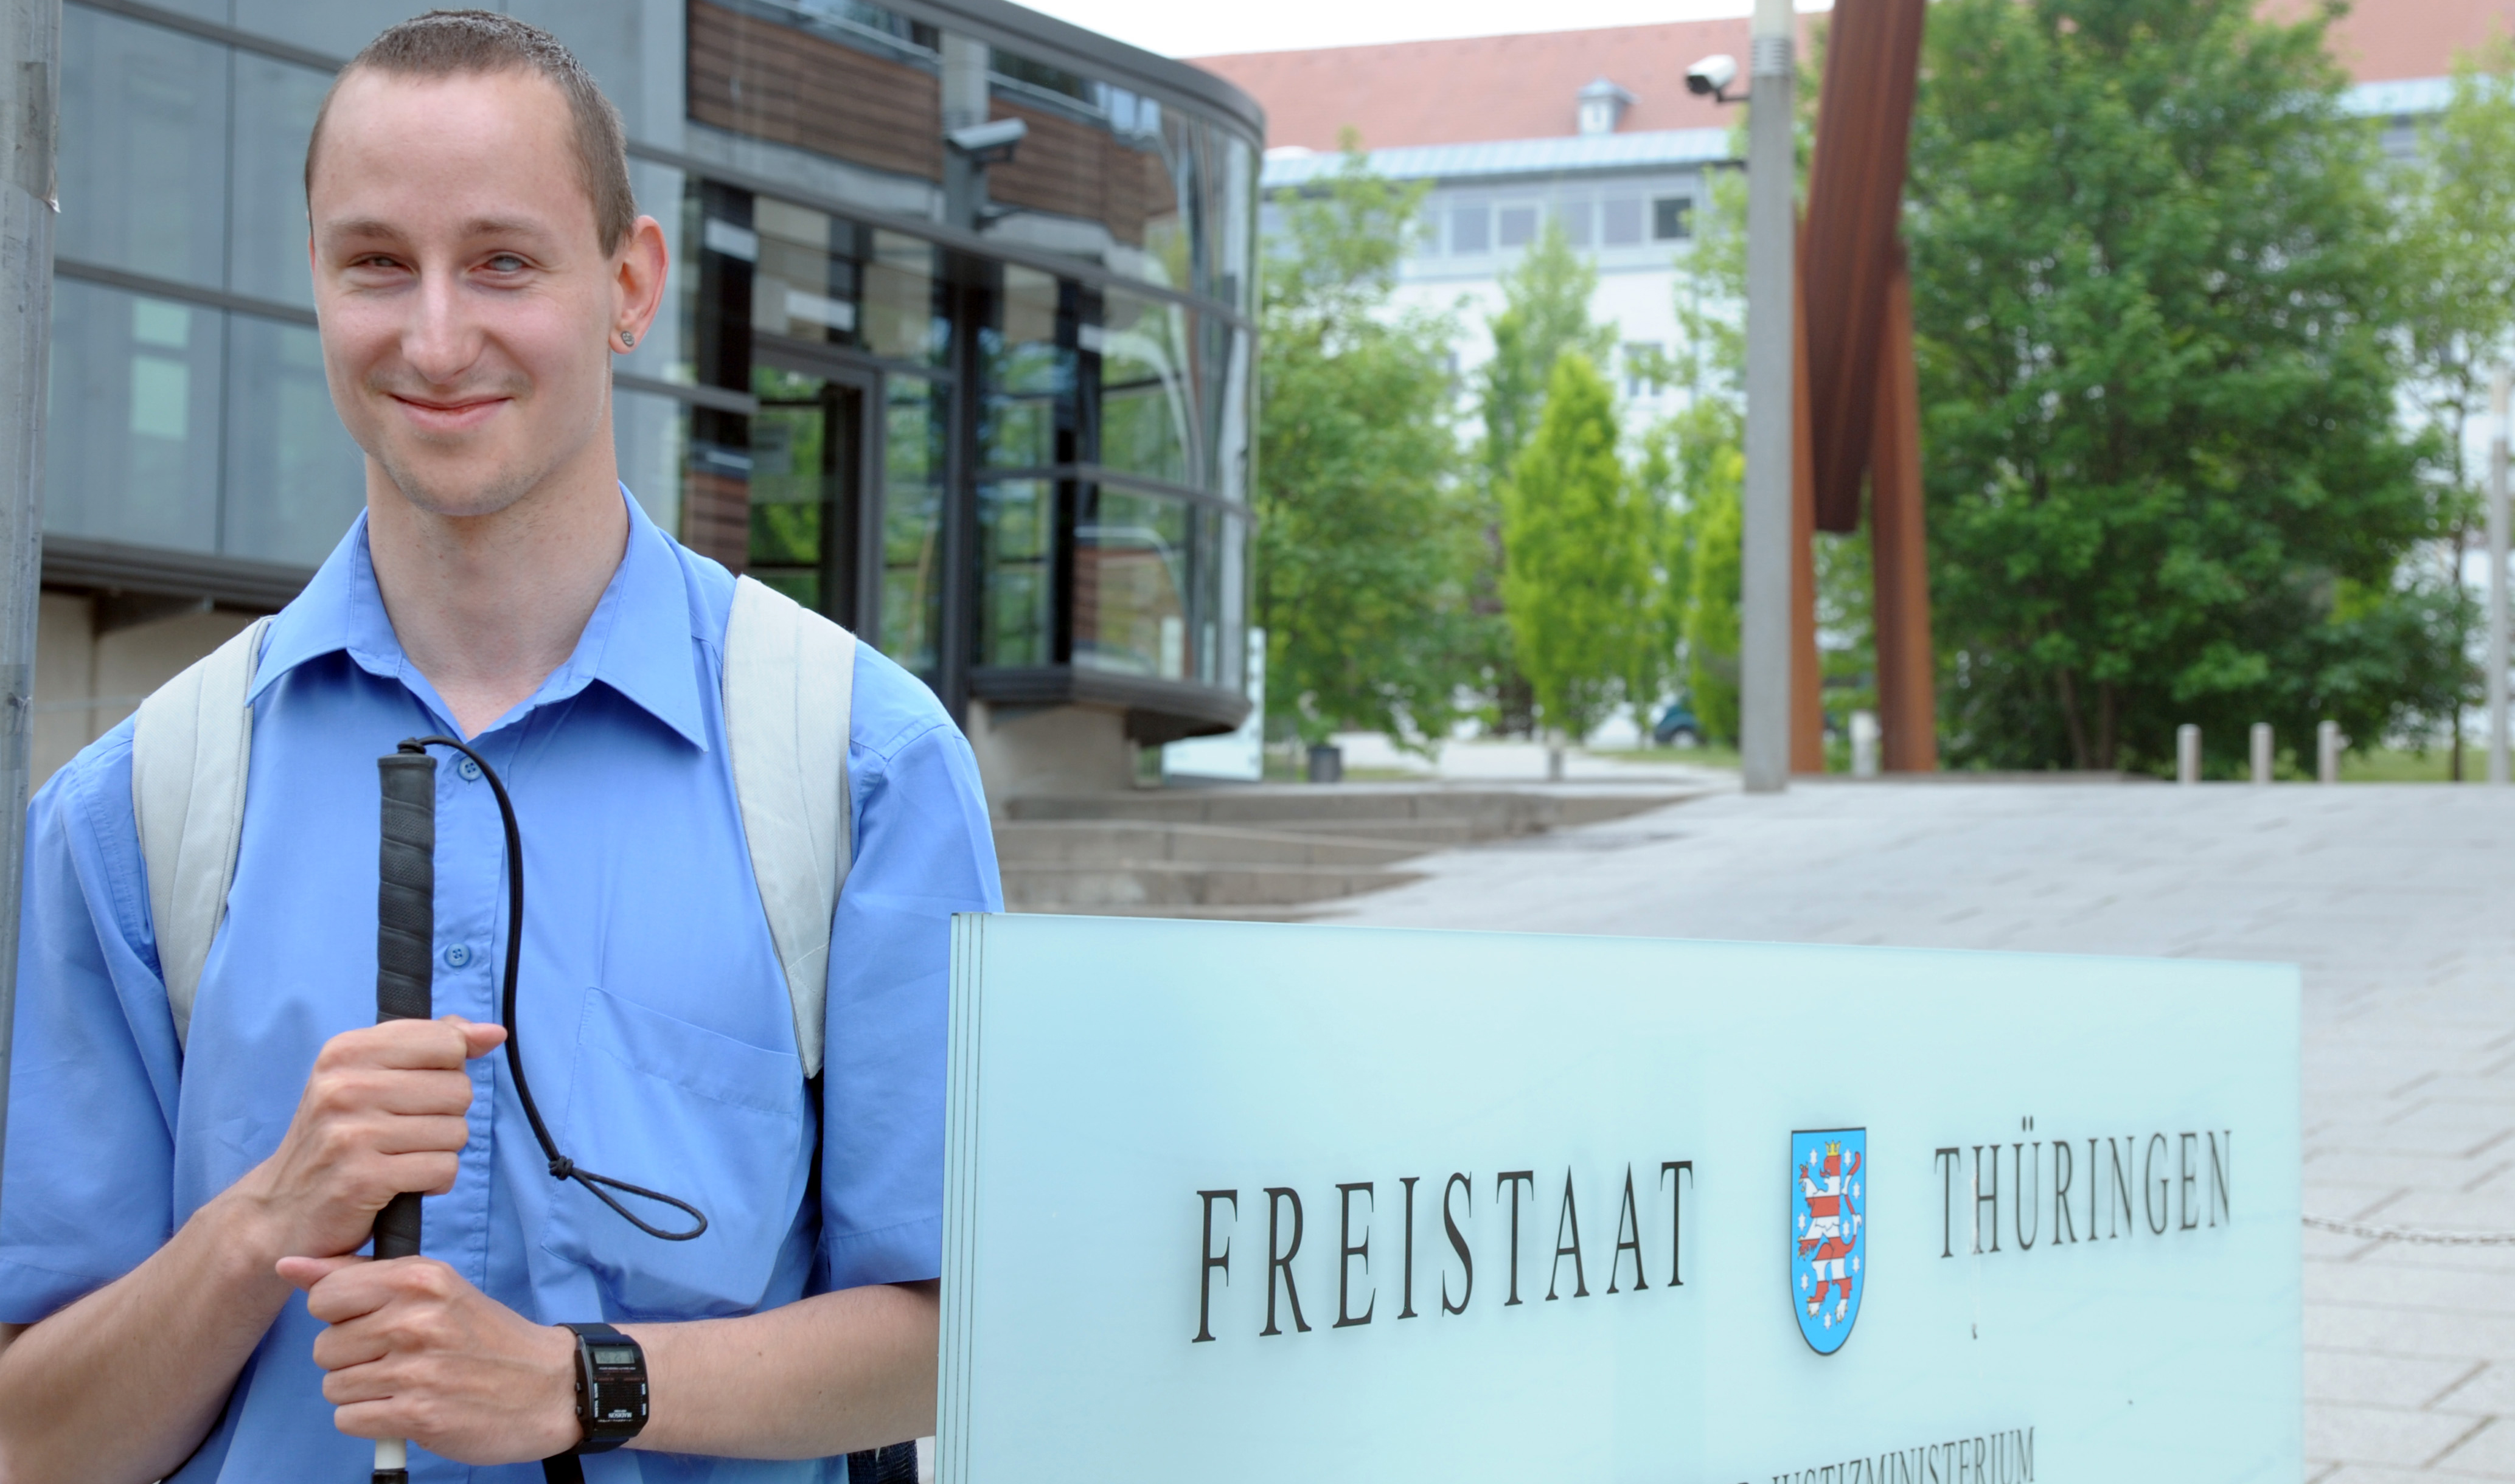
1827, 1231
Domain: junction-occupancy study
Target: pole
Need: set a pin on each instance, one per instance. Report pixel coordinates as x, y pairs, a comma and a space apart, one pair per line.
1765, 619
2187, 754
2498, 578
30, 66
2327, 751
2262, 740
405, 975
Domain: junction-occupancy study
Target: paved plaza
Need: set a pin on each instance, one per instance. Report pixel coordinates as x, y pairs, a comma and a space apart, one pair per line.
2397, 901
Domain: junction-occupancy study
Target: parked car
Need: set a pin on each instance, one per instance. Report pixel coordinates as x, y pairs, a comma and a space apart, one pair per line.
1678, 725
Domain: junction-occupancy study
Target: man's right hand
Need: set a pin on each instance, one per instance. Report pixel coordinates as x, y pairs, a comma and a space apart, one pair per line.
383, 1113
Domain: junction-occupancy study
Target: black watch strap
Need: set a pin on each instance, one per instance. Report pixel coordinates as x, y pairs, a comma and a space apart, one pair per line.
610, 1388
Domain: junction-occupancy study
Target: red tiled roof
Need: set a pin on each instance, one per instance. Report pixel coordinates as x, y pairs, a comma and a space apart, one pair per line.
1482, 88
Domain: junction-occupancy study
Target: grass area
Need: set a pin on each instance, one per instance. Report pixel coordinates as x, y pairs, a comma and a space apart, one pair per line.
2384, 764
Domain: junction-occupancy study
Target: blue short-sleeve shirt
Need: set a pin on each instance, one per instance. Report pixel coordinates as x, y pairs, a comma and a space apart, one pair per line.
656, 1025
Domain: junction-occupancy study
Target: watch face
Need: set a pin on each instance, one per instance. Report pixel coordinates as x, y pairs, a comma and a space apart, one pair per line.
615, 1356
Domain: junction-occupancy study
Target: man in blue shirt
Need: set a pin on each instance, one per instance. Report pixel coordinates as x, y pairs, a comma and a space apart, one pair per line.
178, 1249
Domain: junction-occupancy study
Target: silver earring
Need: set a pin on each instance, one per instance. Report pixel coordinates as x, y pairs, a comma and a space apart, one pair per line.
627, 342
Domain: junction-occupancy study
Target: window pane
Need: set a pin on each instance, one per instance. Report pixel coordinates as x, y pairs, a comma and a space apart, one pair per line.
651, 436
1671, 218
806, 470
1027, 420
1131, 584
912, 525
293, 478
1145, 409
337, 26
1620, 223
1215, 366
143, 148
1017, 542
1471, 229
1575, 217
274, 112
791, 483
903, 303
1518, 225
664, 351
805, 283
133, 441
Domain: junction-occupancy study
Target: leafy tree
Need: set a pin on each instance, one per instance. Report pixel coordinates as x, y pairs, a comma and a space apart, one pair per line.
2153, 288
1544, 314
2458, 242
1577, 581
1708, 535
1363, 544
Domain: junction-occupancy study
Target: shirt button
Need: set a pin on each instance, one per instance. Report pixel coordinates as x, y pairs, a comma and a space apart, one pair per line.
468, 771
457, 955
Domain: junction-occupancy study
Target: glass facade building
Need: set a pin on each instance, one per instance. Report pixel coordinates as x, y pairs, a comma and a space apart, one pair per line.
991, 408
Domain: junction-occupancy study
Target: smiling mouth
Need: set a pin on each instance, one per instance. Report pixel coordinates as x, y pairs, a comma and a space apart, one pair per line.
449, 415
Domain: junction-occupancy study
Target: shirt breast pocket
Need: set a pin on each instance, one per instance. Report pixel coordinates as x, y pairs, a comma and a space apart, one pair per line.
660, 1103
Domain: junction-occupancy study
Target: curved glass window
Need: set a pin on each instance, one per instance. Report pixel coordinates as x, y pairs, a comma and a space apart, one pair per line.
1147, 411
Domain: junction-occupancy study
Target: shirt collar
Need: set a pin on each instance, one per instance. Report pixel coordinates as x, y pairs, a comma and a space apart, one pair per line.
638, 641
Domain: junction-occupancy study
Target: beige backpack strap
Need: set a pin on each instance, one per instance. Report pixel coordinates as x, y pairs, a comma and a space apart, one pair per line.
190, 748
789, 688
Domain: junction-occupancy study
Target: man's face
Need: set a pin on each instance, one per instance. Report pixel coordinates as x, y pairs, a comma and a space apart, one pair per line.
466, 303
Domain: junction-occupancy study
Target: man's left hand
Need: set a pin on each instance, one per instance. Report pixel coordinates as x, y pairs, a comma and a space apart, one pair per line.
414, 1351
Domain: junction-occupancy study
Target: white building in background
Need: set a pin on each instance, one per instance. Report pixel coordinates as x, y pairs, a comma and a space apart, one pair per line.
1629, 202
1598, 129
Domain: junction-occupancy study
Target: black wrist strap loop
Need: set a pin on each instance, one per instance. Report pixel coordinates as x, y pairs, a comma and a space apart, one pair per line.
561, 1168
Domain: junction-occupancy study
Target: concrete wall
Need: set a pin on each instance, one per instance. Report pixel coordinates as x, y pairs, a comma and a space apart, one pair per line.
86, 681
1033, 749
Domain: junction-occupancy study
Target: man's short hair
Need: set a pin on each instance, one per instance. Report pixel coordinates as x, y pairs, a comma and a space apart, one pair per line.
473, 43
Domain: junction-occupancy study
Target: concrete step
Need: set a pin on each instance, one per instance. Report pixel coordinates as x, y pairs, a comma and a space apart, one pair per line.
1113, 841
1147, 883
1489, 813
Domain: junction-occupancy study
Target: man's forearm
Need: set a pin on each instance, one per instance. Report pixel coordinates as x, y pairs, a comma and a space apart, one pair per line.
175, 1329
832, 1374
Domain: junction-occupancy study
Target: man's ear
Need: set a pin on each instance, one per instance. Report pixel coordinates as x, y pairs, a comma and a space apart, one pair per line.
637, 272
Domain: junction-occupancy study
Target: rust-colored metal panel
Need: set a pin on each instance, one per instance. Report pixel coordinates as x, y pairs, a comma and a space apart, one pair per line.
1898, 555
781, 84
1808, 677
1855, 191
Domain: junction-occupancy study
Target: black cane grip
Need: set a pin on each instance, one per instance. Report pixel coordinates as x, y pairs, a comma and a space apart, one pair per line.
397, 1227
406, 887
405, 936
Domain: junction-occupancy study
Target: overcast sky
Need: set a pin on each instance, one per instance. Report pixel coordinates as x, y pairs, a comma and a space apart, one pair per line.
1206, 29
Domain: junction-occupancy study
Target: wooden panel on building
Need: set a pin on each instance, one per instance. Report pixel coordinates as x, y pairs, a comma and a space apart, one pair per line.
1073, 169
789, 86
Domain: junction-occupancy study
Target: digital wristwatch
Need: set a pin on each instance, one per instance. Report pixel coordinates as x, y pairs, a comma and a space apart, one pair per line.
610, 1386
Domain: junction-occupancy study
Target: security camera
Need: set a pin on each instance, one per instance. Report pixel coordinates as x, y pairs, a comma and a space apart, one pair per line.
1711, 77
991, 142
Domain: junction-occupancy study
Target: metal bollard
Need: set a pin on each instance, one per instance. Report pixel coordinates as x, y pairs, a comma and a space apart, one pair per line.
2326, 750
1865, 736
2187, 754
2262, 752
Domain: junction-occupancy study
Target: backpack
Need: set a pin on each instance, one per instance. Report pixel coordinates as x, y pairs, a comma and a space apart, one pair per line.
789, 682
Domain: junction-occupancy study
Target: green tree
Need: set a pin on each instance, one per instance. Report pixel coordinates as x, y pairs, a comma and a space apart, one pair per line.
2457, 240
1577, 581
1363, 544
2153, 283
1544, 312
